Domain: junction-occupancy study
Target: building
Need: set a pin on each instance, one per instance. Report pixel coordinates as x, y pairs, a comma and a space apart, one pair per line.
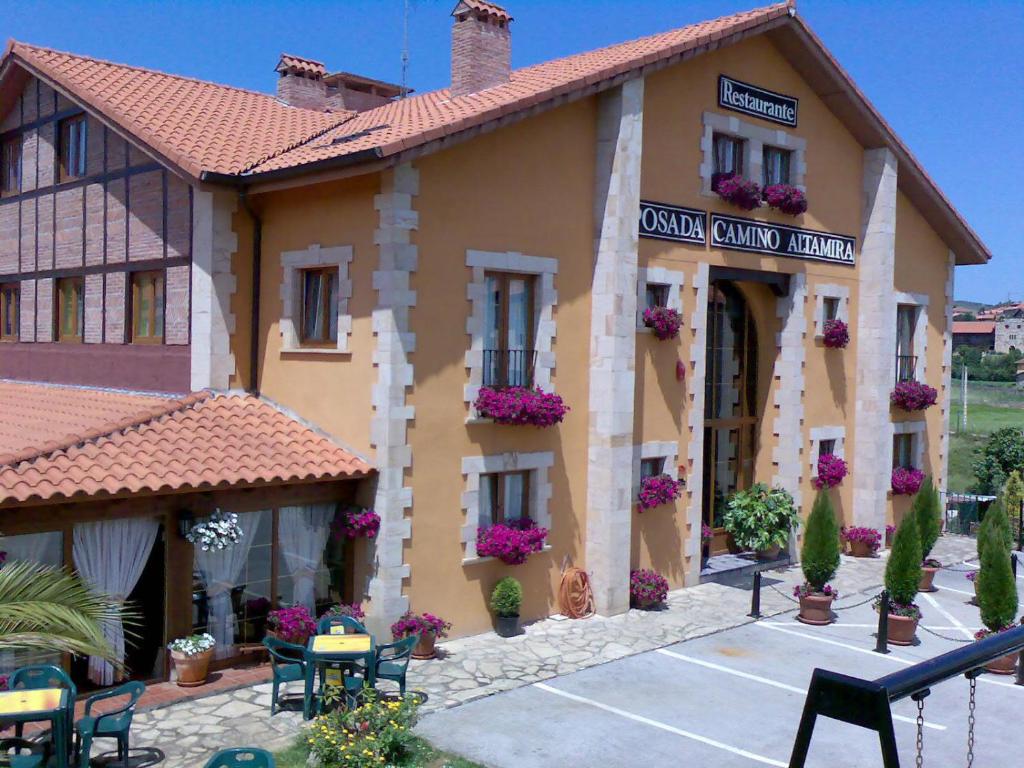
974, 333
330, 279
1009, 331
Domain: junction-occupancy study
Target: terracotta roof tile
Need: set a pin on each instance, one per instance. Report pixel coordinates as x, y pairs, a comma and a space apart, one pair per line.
483, 6
200, 442
974, 326
300, 65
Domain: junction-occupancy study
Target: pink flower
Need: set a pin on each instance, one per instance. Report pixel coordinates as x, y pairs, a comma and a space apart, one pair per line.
354, 522
741, 192
511, 542
913, 396
418, 624
869, 536
831, 471
906, 480
806, 590
647, 587
706, 534
836, 334
657, 490
786, 198
519, 405
293, 625
663, 321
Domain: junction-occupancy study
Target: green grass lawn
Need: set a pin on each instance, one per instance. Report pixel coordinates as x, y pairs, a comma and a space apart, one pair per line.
424, 756
991, 405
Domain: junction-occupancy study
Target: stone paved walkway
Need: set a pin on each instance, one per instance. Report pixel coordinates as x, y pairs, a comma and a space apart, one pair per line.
482, 665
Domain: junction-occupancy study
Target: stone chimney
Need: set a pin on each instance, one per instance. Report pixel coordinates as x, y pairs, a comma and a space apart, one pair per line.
301, 82
481, 46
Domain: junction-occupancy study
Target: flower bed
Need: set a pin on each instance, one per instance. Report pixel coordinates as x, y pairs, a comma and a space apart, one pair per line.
293, 625
913, 396
511, 542
835, 334
219, 531
665, 322
519, 405
419, 624
906, 481
657, 490
743, 193
377, 732
355, 522
786, 198
831, 471
647, 588
869, 537
806, 590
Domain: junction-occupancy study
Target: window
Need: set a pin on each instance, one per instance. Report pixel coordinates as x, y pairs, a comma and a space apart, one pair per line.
906, 361
829, 308
70, 309
320, 306
73, 141
9, 296
652, 467
903, 450
508, 331
148, 307
776, 166
826, 448
504, 496
656, 296
728, 156
10, 167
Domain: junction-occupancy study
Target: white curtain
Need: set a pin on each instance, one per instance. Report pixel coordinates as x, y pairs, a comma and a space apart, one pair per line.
48, 549
303, 532
110, 556
220, 570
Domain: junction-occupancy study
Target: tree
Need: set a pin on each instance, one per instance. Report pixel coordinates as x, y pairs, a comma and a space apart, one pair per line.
969, 356
47, 609
927, 512
903, 571
1002, 454
1013, 498
997, 588
819, 556
996, 521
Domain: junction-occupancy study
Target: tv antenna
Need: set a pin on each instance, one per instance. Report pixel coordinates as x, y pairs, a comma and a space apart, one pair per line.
405, 49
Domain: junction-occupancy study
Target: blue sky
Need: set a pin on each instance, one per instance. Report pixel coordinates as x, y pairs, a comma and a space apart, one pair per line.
946, 75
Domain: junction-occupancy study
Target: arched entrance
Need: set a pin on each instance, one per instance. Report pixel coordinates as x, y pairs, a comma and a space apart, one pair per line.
730, 403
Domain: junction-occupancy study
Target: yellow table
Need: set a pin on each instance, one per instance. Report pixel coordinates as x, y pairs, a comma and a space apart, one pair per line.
40, 704
332, 650
333, 643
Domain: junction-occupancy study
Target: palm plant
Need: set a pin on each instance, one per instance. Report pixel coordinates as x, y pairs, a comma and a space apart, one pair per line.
51, 610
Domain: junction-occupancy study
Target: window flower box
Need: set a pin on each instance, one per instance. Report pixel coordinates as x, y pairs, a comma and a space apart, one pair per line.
665, 322
356, 522
786, 198
743, 193
511, 542
657, 490
906, 481
647, 588
520, 405
836, 334
913, 396
831, 471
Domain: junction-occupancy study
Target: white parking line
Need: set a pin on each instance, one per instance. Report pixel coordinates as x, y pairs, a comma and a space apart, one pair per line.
768, 681
843, 625
661, 726
944, 588
952, 619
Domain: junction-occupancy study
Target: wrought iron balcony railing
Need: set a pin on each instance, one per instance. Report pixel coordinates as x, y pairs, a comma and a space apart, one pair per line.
509, 367
906, 367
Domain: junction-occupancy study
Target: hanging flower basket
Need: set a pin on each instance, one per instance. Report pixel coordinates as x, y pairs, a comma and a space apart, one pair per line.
665, 322
657, 490
511, 542
219, 531
913, 396
786, 198
356, 522
519, 405
831, 471
740, 192
836, 334
647, 588
906, 480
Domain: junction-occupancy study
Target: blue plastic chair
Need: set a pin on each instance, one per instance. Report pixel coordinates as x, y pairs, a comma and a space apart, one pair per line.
22, 753
288, 665
354, 626
116, 724
393, 660
242, 757
37, 676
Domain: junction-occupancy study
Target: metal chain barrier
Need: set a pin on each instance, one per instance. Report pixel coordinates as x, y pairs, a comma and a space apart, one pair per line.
835, 607
951, 569
919, 761
970, 723
945, 637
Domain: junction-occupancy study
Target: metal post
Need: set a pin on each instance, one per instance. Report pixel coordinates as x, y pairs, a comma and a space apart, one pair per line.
882, 644
1020, 527
1013, 563
1020, 669
755, 597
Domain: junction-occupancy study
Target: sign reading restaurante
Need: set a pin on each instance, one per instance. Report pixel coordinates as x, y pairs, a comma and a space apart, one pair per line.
779, 240
759, 102
670, 222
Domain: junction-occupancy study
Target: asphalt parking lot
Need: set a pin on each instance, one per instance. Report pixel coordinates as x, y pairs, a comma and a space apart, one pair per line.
735, 698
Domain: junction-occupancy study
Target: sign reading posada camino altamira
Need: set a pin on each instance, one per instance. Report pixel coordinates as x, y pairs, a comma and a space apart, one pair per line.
736, 234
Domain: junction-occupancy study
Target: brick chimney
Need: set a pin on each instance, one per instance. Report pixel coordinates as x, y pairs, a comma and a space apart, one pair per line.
301, 82
481, 46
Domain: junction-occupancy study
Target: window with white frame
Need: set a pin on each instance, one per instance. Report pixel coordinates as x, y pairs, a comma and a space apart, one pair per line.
911, 336
832, 302
658, 287
776, 165
654, 458
908, 444
729, 151
730, 145
504, 496
826, 441
315, 291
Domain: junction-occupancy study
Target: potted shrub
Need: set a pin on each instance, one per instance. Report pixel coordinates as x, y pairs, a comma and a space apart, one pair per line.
913, 396
191, 656
819, 560
831, 471
927, 509
512, 541
996, 587
864, 542
429, 628
906, 480
902, 578
836, 334
743, 193
996, 518
656, 491
355, 522
665, 322
292, 624
786, 198
520, 405
761, 518
647, 589
506, 600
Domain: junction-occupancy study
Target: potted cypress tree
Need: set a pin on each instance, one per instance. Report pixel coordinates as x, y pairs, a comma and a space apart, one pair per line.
506, 600
997, 519
819, 560
902, 579
997, 592
927, 511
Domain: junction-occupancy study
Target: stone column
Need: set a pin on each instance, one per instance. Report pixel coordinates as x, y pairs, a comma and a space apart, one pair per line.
876, 342
695, 419
613, 345
214, 242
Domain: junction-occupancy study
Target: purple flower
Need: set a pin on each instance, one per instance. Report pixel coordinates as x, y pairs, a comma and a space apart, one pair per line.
806, 590
418, 624
785, 198
647, 587
293, 625
836, 334
512, 541
869, 536
663, 321
354, 522
913, 396
741, 192
519, 405
972, 576
831, 471
906, 480
657, 490
257, 606
706, 533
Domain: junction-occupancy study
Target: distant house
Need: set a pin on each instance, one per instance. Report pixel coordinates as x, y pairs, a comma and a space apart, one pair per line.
1009, 333
974, 333
1020, 374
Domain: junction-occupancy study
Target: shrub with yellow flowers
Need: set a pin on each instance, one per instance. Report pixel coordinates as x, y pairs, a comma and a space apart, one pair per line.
378, 732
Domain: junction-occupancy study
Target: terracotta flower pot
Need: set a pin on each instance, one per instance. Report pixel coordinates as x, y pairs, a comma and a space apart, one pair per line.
425, 647
927, 576
191, 669
861, 549
1004, 665
815, 609
902, 629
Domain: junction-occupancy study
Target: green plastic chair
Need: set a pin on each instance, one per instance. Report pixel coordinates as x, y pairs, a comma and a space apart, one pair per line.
242, 757
22, 753
323, 626
393, 660
116, 724
36, 676
288, 665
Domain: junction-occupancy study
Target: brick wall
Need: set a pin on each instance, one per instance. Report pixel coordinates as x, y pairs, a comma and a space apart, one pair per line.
302, 92
481, 55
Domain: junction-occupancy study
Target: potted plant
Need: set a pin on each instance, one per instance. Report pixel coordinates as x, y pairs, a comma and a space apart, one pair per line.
864, 542
836, 334
902, 578
292, 624
429, 628
506, 600
657, 490
647, 589
512, 541
665, 322
761, 518
927, 509
819, 560
972, 576
355, 522
890, 531
352, 610
831, 471
707, 534
219, 531
906, 480
191, 656
996, 588
738, 191
996, 518
520, 405
913, 396
786, 198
